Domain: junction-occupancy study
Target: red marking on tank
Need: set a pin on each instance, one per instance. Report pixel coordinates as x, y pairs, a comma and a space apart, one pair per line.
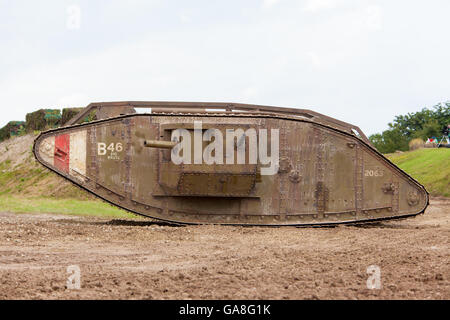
62, 152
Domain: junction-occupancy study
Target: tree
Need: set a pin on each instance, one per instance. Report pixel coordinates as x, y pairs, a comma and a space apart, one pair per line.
390, 141
422, 124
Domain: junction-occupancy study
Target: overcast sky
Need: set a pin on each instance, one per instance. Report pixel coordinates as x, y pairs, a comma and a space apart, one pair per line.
361, 61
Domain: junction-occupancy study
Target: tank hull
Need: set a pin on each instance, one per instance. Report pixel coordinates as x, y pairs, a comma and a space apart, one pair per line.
322, 175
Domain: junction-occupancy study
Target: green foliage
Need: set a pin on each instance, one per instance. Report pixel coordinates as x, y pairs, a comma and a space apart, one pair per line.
12, 129
52, 115
432, 128
390, 141
422, 124
43, 119
22, 131
425, 123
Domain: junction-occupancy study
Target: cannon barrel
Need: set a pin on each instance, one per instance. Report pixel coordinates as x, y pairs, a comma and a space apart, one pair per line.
159, 144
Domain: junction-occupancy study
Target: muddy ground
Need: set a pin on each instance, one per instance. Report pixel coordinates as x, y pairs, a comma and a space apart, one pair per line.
145, 260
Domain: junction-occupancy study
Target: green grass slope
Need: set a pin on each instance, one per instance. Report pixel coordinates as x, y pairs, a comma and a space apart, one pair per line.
17, 204
431, 167
28, 187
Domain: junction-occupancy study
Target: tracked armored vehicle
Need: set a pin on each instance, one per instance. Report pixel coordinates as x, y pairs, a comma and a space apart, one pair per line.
226, 163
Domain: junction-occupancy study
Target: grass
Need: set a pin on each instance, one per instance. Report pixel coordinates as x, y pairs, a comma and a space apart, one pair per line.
431, 167
17, 204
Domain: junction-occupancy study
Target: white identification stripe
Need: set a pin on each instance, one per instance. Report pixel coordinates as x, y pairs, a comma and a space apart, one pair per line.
47, 150
77, 164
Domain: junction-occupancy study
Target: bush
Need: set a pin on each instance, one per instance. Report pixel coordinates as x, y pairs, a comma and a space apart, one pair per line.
43, 119
13, 128
390, 141
4, 133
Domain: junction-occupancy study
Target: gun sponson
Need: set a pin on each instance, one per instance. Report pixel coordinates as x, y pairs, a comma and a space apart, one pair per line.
159, 144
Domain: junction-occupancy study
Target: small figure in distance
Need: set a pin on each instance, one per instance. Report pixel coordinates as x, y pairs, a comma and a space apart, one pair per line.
446, 131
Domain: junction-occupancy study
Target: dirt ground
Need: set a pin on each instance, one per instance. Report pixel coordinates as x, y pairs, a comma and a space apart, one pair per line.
121, 259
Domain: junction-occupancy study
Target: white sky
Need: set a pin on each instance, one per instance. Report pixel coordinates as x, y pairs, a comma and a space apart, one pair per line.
361, 61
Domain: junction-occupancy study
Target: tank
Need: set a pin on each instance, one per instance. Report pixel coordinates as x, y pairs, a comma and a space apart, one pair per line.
229, 163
